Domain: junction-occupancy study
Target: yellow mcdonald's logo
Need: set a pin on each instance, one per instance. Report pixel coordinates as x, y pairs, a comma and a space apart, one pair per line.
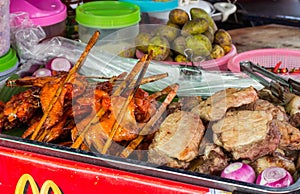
47, 186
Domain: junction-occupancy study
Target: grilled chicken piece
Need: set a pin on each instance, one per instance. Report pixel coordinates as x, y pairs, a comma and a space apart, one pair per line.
295, 120
36, 81
47, 93
267, 94
212, 162
293, 109
290, 136
177, 141
19, 109
215, 107
293, 106
247, 134
127, 129
269, 161
95, 137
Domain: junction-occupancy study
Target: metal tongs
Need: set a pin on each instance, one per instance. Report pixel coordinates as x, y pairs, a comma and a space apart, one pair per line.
193, 70
277, 84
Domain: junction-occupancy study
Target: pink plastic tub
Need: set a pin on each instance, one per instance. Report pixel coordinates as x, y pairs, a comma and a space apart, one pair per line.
49, 14
214, 64
267, 58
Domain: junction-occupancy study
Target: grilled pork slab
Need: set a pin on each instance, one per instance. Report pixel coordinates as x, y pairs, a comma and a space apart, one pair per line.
177, 141
247, 134
215, 107
290, 135
278, 112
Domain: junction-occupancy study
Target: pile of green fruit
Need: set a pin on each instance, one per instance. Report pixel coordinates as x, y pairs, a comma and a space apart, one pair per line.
196, 32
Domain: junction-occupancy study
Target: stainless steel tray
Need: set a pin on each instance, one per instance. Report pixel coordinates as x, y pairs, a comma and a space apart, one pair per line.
140, 167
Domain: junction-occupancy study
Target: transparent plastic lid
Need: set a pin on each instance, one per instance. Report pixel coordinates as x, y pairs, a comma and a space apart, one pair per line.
154, 6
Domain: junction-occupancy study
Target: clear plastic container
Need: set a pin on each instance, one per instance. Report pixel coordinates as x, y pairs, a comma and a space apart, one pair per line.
116, 21
4, 27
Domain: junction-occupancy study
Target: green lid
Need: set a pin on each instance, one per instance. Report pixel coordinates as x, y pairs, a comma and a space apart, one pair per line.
108, 14
8, 61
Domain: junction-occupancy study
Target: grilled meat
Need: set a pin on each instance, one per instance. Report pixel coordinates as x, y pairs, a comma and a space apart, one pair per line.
213, 161
278, 112
19, 109
127, 125
247, 134
290, 136
177, 141
266, 94
293, 106
293, 109
46, 95
295, 120
215, 107
275, 160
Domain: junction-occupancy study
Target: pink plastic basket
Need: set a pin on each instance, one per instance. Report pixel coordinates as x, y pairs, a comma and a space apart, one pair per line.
267, 58
214, 64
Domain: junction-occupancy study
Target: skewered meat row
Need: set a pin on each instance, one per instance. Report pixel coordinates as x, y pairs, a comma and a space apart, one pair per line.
83, 98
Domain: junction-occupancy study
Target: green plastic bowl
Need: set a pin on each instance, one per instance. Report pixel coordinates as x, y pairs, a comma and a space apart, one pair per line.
108, 14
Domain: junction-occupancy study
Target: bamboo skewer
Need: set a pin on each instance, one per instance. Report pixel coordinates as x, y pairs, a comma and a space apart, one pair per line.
150, 125
125, 83
145, 80
153, 78
75, 68
125, 105
119, 77
129, 79
165, 91
99, 77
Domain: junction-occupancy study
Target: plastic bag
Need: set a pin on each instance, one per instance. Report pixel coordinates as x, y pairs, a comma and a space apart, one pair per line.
25, 36
107, 64
100, 62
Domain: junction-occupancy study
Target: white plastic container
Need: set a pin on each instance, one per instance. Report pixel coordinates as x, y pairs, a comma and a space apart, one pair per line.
4, 27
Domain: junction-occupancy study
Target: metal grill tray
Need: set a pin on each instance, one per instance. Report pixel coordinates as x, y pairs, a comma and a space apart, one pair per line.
140, 167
